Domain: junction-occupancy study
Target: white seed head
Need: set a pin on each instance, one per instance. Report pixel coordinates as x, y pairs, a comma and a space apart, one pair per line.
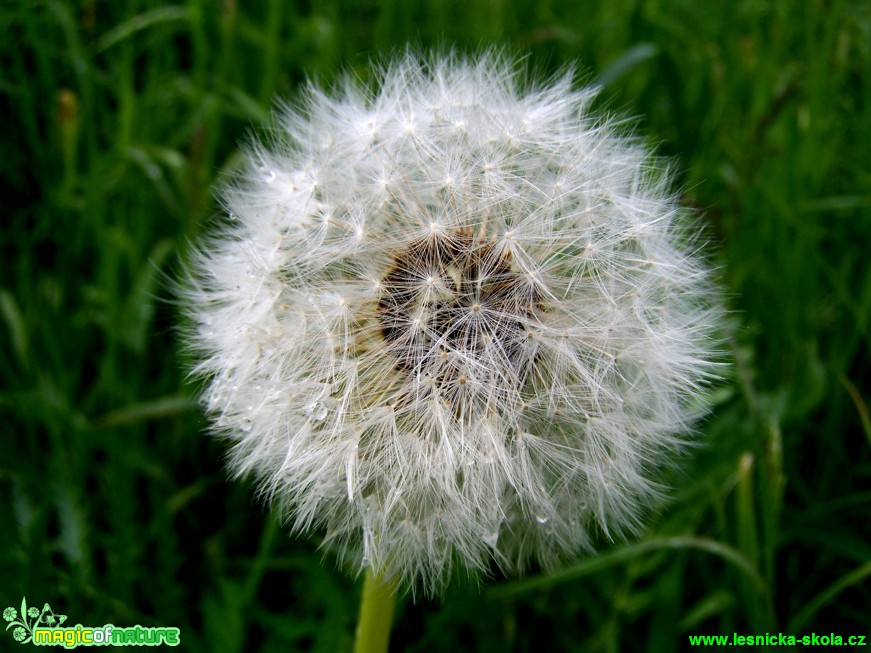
454, 321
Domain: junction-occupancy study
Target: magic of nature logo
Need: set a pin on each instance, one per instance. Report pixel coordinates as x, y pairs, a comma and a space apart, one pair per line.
45, 627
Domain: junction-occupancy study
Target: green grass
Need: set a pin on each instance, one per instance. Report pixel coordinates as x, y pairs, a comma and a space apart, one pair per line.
114, 508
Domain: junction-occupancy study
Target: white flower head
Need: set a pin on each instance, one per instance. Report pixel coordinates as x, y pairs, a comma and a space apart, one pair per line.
453, 321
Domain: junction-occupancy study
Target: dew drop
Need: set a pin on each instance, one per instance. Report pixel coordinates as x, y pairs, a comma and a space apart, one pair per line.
541, 519
317, 410
491, 538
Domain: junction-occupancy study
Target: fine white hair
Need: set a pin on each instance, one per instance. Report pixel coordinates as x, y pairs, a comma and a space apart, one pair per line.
453, 318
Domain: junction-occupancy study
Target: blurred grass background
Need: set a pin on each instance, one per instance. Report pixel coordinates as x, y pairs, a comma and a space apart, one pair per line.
116, 120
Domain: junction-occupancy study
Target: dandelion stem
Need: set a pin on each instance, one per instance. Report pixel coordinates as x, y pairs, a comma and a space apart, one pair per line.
376, 615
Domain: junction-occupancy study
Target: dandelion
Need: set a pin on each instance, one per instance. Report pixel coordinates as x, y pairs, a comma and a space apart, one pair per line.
454, 321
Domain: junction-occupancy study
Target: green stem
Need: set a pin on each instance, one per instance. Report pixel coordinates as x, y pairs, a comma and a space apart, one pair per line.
376, 615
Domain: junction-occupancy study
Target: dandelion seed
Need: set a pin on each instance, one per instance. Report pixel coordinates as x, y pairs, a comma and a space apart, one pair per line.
484, 364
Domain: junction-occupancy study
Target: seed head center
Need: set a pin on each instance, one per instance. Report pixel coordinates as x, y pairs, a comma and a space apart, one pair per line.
453, 309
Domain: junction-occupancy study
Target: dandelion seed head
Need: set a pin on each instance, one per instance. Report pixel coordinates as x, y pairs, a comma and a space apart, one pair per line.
454, 321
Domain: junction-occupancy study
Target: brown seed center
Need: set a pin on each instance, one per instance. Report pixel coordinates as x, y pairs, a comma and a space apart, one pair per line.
453, 309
